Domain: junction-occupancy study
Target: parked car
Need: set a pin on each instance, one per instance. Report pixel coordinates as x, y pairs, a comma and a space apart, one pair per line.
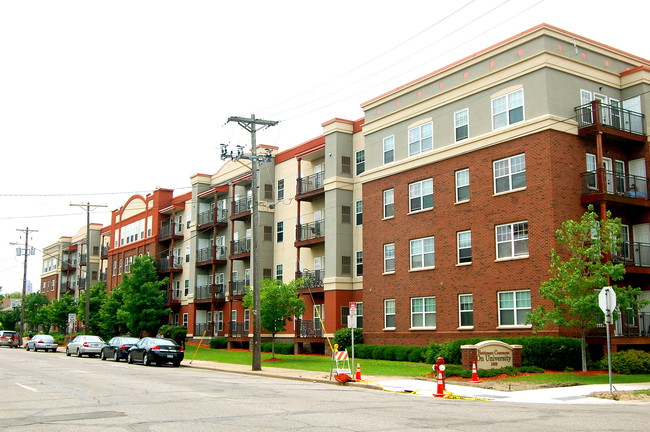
118, 348
84, 344
41, 341
10, 338
156, 350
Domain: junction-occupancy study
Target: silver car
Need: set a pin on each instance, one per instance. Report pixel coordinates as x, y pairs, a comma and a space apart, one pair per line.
85, 344
40, 341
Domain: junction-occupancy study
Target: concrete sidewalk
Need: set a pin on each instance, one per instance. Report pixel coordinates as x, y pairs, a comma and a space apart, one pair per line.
427, 388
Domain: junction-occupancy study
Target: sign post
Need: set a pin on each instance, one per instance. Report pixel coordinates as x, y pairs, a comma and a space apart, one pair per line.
352, 324
607, 303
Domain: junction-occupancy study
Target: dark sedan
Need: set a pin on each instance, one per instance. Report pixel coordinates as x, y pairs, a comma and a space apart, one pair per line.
118, 348
156, 350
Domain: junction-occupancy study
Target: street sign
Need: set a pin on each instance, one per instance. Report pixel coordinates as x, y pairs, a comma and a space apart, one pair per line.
353, 308
352, 321
607, 302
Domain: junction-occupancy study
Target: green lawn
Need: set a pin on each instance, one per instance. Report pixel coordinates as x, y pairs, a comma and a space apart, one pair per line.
384, 367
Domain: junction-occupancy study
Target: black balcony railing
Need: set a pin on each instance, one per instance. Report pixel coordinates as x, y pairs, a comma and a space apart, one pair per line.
104, 251
238, 328
203, 292
634, 254
312, 279
240, 246
309, 329
611, 182
596, 113
170, 263
310, 183
168, 229
630, 324
211, 253
310, 231
241, 206
175, 297
239, 288
206, 217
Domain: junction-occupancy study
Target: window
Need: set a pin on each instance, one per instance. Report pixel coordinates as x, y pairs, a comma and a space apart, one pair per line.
389, 258
187, 254
466, 310
359, 263
462, 185
510, 173
268, 233
268, 191
279, 232
420, 139
389, 149
423, 312
177, 289
461, 124
185, 319
220, 320
360, 158
422, 253
187, 223
346, 265
421, 195
186, 292
512, 240
464, 239
345, 165
389, 313
345, 312
389, 203
508, 109
279, 272
280, 189
345, 214
358, 212
514, 307
591, 169
247, 320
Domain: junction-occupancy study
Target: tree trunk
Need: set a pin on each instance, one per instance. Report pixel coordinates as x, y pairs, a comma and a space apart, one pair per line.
583, 349
273, 345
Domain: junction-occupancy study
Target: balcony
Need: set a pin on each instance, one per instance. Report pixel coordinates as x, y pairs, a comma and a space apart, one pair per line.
311, 187
240, 248
170, 231
175, 298
103, 276
170, 265
204, 292
207, 218
238, 329
306, 329
239, 288
104, 252
211, 255
313, 280
310, 234
69, 265
81, 282
83, 260
614, 187
241, 209
635, 256
613, 121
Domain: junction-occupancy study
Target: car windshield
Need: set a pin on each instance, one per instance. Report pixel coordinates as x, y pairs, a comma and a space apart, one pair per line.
44, 338
93, 339
163, 342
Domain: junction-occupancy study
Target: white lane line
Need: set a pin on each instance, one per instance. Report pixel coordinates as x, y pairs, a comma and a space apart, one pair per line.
28, 388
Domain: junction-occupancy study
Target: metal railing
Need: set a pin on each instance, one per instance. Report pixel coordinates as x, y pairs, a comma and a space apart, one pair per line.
615, 183
310, 230
310, 183
211, 253
597, 113
308, 328
240, 246
169, 228
239, 288
634, 254
313, 279
169, 263
238, 328
203, 292
242, 205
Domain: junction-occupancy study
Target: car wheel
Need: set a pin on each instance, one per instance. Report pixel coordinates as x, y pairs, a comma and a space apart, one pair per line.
79, 353
102, 355
129, 359
116, 356
67, 352
35, 349
145, 360
26, 347
177, 363
53, 349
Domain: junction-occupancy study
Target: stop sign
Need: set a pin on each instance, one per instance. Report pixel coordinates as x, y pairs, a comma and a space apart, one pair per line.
607, 301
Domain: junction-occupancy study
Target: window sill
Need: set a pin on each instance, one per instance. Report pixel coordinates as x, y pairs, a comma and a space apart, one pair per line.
463, 264
421, 328
465, 328
512, 258
509, 327
388, 273
389, 329
461, 202
421, 269
389, 217
508, 192
420, 211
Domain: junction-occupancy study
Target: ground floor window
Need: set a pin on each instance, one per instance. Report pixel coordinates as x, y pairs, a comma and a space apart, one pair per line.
514, 307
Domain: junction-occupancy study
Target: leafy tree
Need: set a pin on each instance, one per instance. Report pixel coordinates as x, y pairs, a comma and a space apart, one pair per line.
279, 303
97, 299
579, 273
57, 312
110, 323
10, 319
143, 309
35, 315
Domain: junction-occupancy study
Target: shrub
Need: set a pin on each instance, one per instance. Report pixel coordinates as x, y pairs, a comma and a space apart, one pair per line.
280, 347
432, 352
219, 342
343, 337
631, 362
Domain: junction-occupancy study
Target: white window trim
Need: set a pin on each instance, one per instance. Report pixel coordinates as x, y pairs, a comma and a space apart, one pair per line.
390, 140
509, 175
422, 253
457, 125
356, 161
515, 309
386, 314
460, 325
458, 201
508, 108
421, 196
458, 263
384, 203
424, 313
393, 258
496, 243
420, 149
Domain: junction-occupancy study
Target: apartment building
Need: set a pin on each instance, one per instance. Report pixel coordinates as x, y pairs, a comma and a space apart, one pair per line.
69, 265
471, 169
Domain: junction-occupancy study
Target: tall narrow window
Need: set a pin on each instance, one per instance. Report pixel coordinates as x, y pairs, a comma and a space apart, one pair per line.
464, 247
466, 310
279, 232
358, 212
509, 173
389, 149
421, 195
279, 272
461, 124
345, 214
346, 265
280, 189
389, 313
360, 158
389, 258
345, 165
508, 109
420, 139
359, 264
389, 203
462, 185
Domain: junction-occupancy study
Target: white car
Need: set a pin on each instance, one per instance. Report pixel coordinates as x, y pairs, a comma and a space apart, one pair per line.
40, 341
85, 344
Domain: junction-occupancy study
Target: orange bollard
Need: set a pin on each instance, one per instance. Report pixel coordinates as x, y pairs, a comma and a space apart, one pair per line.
440, 391
358, 375
474, 374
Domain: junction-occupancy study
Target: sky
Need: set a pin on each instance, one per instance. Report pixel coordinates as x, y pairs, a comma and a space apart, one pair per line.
101, 100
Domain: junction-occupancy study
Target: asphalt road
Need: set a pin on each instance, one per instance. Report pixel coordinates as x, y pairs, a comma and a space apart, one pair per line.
51, 392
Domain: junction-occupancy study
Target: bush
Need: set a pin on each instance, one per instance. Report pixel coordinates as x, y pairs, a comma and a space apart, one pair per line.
280, 347
631, 362
219, 342
343, 337
178, 333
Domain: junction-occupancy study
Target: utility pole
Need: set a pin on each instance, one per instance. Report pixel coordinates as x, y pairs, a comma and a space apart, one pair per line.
87, 288
27, 252
252, 125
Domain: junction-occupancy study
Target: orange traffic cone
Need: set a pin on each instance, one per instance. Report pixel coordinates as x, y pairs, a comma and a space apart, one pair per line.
474, 374
357, 377
440, 391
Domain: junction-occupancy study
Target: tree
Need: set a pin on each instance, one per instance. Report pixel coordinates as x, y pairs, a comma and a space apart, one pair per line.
279, 303
10, 319
57, 312
579, 273
110, 323
97, 299
143, 309
35, 304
